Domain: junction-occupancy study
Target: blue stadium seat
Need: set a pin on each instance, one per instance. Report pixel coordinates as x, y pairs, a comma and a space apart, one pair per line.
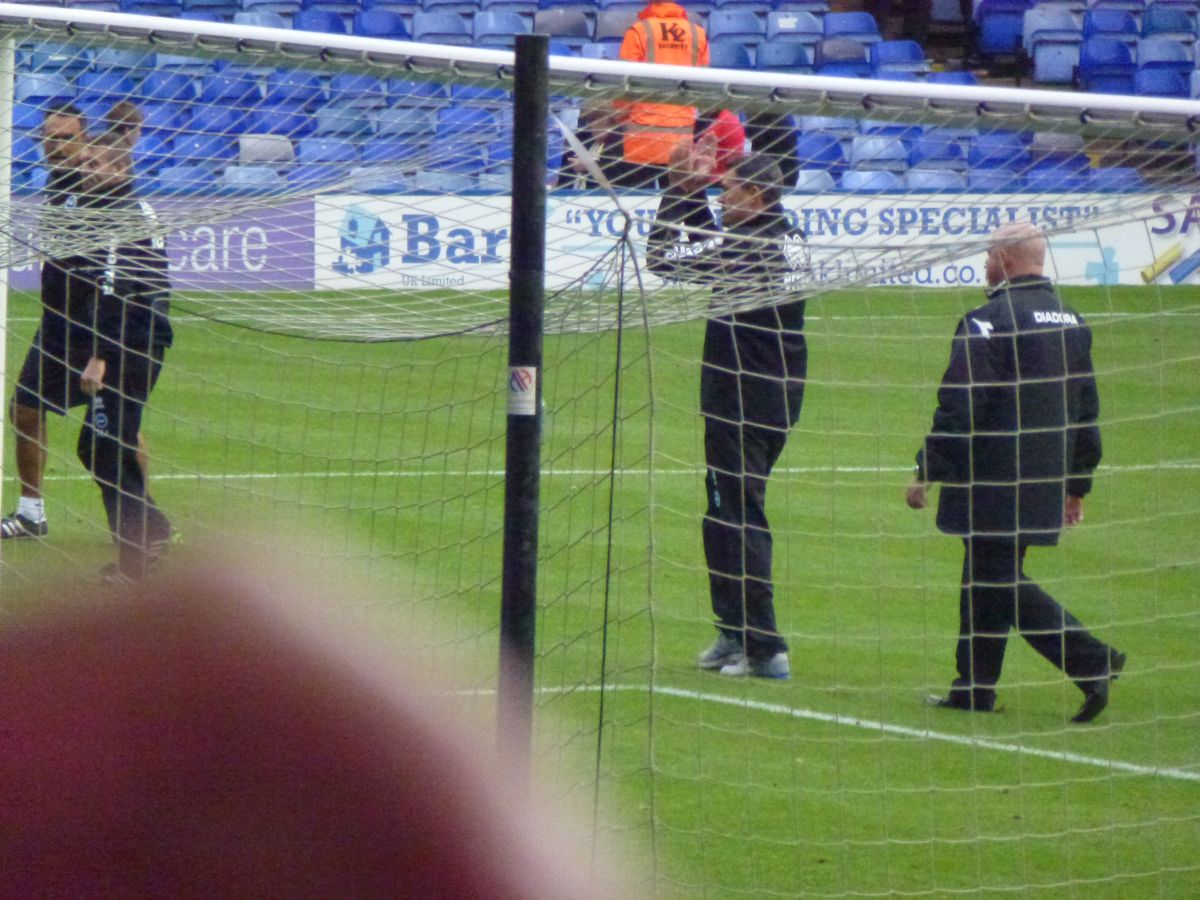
231, 86
890, 128
1111, 23
960, 78
353, 89
569, 26
524, 7
998, 151
870, 152
169, 8
410, 120
291, 86
251, 180
564, 48
216, 119
344, 120
401, 152
111, 59
873, 180
898, 56
467, 123
286, 8
210, 10
736, 25
185, 179
260, 19
814, 181
1160, 83
1050, 178
729, 55
1052, 40
27, 117
1106, 66
497, 30
291, 119
93, 5
1172, 22
342, 7
47, 56
167, 118
1164, 53
441, 28
814, 7
837, 126
478, 95
935, 180
634, 6
794, 27
758, 7
1196, 83
403, 93
858, 26
406, 8
30, 181
104, 85
1000, 24
467, 7
784, 58
843, 57
380, 23
1117, 178
326, 150
611, 25
211, 150
458, 155
820, 151
994, 180
601, 51
43, 88
897, 76
26, 153
325, 21
170, 85
151, 154
317, 176
935, 151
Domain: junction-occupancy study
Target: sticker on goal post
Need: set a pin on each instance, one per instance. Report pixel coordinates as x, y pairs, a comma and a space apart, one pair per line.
522, 390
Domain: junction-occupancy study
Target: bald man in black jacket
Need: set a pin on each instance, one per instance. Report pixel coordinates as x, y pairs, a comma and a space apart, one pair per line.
1014, 443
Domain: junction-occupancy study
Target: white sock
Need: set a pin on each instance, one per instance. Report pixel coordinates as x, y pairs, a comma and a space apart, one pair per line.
32, 508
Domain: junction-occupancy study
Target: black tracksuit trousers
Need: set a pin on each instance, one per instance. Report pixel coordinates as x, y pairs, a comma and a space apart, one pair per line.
996, 596
737, 538
108, 448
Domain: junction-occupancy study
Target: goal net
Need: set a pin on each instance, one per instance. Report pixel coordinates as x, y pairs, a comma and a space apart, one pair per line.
335, 214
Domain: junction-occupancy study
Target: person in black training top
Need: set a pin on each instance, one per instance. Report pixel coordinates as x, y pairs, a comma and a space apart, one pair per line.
751, 381
1014, 443
130, 331
49, 377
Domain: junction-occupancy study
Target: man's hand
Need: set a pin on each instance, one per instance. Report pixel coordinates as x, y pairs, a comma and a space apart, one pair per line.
91, 382
917, 494
1073, 511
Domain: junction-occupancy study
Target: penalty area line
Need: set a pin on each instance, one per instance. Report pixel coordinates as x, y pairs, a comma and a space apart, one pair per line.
813, 715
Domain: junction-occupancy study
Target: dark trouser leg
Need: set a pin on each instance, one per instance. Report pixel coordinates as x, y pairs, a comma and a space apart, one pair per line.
1056, 634
986, 610
966, 9
737, 538
108, 448
917, 14
996, 596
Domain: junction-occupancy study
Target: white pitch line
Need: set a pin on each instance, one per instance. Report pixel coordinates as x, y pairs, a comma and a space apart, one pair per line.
1174, 465
813, 715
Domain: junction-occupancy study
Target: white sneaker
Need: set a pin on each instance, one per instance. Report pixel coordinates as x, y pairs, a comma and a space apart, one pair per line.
725, 651
776, 666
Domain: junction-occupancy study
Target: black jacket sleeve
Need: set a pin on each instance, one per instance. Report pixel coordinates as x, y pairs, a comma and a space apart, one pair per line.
131, 283
1087, 432
946, 454
697, 259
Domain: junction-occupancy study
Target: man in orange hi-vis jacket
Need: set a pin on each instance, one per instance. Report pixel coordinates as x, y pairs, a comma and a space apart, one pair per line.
662, 34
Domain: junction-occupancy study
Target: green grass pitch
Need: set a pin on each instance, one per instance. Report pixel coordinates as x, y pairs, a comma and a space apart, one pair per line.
388, 460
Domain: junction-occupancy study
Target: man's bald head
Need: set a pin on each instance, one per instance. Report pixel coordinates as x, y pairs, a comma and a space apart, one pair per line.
1016, 250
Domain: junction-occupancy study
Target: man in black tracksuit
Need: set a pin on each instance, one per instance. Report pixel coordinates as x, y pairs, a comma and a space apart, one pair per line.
130, 331
49, 377
1014, 443
751, 382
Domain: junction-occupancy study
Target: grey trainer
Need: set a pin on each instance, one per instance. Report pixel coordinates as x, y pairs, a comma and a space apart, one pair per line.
776, 666
725, 651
